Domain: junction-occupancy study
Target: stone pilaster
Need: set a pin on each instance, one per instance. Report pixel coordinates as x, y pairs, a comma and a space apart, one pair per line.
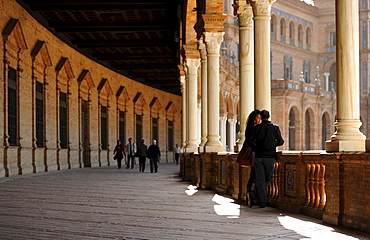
184, 112
203, 68
246, 64
348, 136
213, 41
262, 16
192, 65
223, 120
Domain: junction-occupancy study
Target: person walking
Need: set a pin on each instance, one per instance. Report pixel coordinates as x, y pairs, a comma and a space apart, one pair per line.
154, 154
118, 153
177, 153
264, 139
142, 152
130, 151
254, 119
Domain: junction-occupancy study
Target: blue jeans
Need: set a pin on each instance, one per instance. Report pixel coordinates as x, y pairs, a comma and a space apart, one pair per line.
264, 170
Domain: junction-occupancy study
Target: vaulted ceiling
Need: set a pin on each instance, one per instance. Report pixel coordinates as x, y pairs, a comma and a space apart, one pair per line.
137, 38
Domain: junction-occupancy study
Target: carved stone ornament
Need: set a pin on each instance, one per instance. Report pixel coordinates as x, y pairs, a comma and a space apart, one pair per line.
261, 7
192, 64
213, 41
202, 50
244, 12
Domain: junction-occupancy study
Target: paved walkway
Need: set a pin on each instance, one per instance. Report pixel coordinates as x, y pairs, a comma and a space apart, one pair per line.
111, 203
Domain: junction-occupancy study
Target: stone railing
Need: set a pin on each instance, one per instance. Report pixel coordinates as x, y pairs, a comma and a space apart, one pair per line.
333, 187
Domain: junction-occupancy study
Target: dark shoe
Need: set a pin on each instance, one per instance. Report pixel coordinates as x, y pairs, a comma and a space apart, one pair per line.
253, 198
262, 206
126, 167
249, 200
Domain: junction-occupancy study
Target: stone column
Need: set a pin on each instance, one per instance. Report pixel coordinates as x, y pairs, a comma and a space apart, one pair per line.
327, 81
347, 137
203, 68
262, 12
192, 65
246, 65
184, 112
232, 133
213, 41
223, 120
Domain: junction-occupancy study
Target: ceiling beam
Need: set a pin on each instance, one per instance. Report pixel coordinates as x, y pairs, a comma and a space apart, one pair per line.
111, 28
121, 43
122, 56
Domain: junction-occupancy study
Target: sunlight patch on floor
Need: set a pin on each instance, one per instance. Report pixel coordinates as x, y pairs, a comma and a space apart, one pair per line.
311, 230
191, 190
226, 207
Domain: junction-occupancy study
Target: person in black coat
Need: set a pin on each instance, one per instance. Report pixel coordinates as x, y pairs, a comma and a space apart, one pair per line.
265, 137
118, 153
142, 152
154, 154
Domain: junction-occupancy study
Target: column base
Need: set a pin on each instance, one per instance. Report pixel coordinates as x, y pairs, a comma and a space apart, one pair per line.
218, 148
190, 149
346, 146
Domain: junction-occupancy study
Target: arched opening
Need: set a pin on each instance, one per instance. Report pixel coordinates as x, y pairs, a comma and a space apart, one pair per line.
282, 30
308, 129
308, 39
291, 33
333, 78
292, 130
273, 27
325, 129
300, 36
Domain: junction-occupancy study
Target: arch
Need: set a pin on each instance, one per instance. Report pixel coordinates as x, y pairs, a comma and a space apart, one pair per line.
325, 129
308, 38
282, 30
333, 77
293, 127
273, 26
291, 31
300, 34
309, 126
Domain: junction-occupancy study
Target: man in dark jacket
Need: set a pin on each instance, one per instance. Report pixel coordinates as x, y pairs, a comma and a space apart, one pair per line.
154, 154
264, 140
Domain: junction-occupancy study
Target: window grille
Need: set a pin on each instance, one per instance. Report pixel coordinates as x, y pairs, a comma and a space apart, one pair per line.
12, 107
63, 120
155, 129
39, 114
121, 130
103, 129
138, 128
170, 136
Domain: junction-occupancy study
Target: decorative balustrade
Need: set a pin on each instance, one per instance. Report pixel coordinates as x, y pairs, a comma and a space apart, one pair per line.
334, 187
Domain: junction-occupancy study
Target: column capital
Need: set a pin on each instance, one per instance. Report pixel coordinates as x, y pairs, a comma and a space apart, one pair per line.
244, 12
213, 42
261, 7
192, 65
202, 50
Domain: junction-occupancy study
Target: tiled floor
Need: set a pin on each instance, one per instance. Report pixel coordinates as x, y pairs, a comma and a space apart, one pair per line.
111, 203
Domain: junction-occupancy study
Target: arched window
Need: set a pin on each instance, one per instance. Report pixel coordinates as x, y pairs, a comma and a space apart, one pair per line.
307, 130
282, 30
273, 27
308, 39
300, 36
291, 33
333, 77
324, 129
292, 129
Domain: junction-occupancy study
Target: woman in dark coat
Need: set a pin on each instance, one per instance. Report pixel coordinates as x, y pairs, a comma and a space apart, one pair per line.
142, 151
118, 153
254, 118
